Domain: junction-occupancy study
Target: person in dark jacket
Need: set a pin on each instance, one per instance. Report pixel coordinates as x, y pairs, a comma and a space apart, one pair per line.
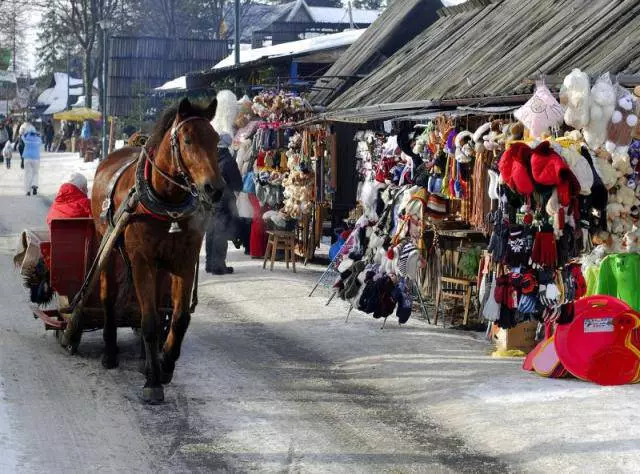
222, 223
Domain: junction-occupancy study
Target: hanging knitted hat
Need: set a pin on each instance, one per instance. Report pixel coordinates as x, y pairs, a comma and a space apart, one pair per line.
515, 168
437, 206
549, 169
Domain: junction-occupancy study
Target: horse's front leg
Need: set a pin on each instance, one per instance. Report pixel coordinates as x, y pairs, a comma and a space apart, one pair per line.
181, 286
144, 277
110, 332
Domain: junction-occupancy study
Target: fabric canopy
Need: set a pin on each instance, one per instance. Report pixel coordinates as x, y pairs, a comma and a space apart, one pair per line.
78, 115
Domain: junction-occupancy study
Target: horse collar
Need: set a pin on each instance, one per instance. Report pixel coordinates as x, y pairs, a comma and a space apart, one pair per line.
154, 205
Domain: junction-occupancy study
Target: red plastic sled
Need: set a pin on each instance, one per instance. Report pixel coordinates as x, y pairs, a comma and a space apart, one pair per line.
601, 344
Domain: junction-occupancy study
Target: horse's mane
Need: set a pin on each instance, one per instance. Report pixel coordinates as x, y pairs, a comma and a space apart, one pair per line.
163, 125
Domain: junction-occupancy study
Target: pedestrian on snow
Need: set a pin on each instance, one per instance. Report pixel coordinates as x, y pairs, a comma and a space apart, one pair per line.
7, 153
4, 137
31, 159
24, 129
9, 125
85, 135
49, 134
221, 226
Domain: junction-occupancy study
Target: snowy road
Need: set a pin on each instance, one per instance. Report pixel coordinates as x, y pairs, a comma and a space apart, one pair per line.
273, 381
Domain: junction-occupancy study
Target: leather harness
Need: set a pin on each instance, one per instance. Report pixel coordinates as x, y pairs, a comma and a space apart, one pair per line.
149, 203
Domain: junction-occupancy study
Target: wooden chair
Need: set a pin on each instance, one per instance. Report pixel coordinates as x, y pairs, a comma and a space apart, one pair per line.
281, 240
453, 286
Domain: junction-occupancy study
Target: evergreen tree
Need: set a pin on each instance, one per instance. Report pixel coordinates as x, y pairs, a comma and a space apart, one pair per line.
54, 41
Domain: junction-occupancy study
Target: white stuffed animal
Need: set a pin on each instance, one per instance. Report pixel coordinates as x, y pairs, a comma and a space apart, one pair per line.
602, 106
577, 89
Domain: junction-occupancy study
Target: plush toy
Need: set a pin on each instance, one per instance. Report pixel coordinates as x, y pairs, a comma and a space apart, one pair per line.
465, 151
631, 240
622, 165
577, 90
602, 106
605, 169
623, 123
491, 141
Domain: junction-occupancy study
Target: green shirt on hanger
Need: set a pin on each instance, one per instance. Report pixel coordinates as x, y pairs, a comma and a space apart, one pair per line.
620, 277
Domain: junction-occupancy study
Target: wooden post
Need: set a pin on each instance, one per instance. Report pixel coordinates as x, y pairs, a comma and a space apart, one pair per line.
112, 134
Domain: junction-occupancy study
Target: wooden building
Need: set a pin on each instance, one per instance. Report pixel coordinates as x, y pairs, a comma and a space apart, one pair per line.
138, 65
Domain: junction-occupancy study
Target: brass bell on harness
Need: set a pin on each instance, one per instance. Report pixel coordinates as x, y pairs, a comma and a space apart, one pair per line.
175, 228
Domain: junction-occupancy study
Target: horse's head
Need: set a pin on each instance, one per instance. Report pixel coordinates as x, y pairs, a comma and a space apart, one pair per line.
194, 149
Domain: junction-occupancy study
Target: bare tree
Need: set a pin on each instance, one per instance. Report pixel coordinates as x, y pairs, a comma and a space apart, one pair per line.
83, 16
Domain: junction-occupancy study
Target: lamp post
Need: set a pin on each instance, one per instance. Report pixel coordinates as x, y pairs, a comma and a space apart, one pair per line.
104, 26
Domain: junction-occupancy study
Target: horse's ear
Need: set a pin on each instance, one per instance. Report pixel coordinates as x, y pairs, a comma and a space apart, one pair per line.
211, 109
184, 107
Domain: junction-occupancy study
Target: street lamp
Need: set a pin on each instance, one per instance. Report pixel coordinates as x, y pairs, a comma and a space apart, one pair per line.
105, 25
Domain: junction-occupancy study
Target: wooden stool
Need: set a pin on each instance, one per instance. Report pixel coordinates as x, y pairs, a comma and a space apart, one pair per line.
281, 240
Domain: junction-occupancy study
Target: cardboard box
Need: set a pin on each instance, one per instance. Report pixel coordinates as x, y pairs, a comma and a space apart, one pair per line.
522, 337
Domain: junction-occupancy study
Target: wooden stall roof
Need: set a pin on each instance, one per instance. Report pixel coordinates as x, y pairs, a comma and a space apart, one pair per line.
489, 48
397, 25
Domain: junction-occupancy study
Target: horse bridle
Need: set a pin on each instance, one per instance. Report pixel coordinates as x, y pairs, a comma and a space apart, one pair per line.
176, 158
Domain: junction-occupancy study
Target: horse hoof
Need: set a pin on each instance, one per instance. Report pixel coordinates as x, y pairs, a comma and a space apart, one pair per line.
153, 395
109, 362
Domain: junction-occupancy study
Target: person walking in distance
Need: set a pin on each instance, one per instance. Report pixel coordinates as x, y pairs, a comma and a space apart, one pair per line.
7, 153
31, 157
24, 129
4, 137
49, 134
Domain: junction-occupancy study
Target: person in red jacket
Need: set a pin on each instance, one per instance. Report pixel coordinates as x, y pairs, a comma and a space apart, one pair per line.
71, 200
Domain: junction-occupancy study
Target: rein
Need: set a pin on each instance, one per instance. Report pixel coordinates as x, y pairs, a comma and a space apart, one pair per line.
177, 160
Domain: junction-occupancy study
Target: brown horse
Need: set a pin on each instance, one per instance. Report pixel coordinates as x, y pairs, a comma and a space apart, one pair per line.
173, 175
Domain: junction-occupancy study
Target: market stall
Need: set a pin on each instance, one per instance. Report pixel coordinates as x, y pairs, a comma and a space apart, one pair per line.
291, 171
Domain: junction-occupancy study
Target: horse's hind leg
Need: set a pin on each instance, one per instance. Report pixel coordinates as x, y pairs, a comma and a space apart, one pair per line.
144, 277
110, 331
181, 286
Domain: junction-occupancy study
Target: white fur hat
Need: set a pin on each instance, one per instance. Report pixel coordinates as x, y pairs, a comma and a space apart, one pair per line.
226, 112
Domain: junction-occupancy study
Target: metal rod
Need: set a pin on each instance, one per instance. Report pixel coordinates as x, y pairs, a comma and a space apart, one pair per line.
105, 139
333, 295
349, 313
237, 32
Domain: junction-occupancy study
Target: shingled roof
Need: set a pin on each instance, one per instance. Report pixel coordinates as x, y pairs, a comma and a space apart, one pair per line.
489, 48
397, 25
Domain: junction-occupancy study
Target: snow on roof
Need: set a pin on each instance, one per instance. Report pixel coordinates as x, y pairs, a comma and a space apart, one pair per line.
56, 97
82, 102
309, 45
177, 84
341, 15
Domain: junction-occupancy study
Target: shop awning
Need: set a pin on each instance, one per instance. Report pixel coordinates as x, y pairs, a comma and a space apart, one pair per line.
78, 115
